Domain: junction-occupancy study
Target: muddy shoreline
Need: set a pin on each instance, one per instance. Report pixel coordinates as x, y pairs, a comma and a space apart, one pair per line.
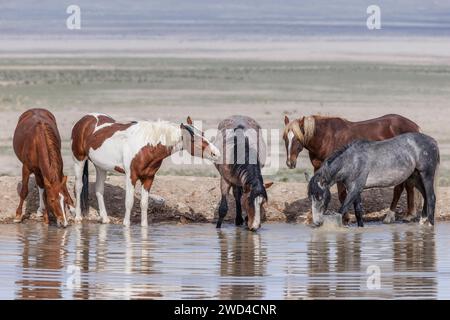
191, 199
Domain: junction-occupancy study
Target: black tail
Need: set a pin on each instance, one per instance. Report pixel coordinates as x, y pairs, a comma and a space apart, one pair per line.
85, 190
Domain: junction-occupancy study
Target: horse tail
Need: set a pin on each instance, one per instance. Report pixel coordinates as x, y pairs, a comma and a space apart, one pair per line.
85, 189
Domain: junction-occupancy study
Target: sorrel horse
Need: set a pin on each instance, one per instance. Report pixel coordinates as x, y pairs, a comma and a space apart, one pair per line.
321, 136
378, 164
136, 149
37, 144
243, 154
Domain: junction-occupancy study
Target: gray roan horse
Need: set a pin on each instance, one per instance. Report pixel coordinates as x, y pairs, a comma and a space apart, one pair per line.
243, 155
365, 165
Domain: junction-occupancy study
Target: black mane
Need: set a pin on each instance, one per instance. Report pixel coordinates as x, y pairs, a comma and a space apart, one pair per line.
250, 173
339, 151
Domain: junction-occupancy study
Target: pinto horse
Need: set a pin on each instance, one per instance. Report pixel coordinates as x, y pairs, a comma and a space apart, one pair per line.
37, 144
412, 157
321, 136
242, 171
136, 149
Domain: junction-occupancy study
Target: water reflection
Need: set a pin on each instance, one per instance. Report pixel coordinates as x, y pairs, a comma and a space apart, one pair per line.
196, 261
241, 255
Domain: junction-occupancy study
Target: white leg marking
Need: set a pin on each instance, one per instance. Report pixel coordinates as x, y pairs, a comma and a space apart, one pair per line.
390, 217
144, 207
40, 210
129, 200
257, 220
99, 191
78, 168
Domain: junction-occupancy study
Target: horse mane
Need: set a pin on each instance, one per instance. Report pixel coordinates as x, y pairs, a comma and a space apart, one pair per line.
309, 128
250, 173
158, 132
339, 152
52, 145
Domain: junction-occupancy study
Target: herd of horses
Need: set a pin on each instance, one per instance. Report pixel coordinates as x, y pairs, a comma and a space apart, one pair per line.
388, 151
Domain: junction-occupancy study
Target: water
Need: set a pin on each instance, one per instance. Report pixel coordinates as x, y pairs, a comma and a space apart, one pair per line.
281, 261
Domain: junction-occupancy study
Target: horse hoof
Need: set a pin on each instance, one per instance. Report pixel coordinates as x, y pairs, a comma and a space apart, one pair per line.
409, 218
106, 220
157, 200
78, 219
17, 220
390, 217
423, 221
39, 213
126, 223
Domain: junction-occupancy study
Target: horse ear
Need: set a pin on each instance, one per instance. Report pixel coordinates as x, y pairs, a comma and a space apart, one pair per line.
307, 177
182, 126
286, 120
189, 120
267, 185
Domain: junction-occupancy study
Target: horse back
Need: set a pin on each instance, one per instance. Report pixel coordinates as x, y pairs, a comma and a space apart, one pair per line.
32, 128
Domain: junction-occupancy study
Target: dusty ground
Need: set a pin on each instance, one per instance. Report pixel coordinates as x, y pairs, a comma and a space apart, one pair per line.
196, 199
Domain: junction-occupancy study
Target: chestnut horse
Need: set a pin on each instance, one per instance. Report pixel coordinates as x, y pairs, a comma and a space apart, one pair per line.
136, 149
37, 144
243, 155
321, 136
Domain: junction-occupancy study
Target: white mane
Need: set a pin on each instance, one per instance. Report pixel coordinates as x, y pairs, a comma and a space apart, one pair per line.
153, 133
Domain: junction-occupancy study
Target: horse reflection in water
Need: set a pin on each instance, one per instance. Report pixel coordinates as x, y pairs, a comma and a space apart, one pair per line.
136, 260
334, 266
45, 252
241, 255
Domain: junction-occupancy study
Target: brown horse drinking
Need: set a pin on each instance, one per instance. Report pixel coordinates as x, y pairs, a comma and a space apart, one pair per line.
37, 144
321, 136
243, 155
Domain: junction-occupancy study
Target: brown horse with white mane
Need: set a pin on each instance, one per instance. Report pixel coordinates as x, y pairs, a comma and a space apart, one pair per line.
321, 136
136, 149
37, 144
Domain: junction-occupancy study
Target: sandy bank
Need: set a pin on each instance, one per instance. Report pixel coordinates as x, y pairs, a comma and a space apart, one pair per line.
195, 199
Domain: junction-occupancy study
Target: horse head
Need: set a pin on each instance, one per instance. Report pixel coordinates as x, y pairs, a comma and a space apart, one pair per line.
196, 144
253, 199
320, 196
292, 142
57, 198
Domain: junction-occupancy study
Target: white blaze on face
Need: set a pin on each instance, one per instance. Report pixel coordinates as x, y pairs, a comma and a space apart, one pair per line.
290, 139
61, 202
257, 219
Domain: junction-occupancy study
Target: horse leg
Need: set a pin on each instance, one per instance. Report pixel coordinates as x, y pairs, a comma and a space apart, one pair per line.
145, 192
359, 211
129, 199
421, 188
78, 168
411, 212
223, 208
342, 193
428, 183
41, 211
353, 195
237, 193
99, 191
23, 193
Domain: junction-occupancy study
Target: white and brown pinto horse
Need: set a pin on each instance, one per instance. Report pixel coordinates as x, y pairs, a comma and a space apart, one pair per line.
136, 149
37, 144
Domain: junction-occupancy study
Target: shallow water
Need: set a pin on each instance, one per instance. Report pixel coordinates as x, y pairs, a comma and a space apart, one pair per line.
281, 261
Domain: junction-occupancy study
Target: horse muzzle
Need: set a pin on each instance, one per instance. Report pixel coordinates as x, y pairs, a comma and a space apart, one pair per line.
291, 164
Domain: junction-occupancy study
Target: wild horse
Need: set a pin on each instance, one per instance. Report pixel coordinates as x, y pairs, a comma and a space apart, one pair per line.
136, 149
365, 164
321, 136
37, 144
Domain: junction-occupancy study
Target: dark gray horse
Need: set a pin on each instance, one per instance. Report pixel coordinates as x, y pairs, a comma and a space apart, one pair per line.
243, 153
412, 157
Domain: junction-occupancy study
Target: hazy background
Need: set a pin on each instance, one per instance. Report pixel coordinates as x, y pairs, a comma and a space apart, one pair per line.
211, 59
